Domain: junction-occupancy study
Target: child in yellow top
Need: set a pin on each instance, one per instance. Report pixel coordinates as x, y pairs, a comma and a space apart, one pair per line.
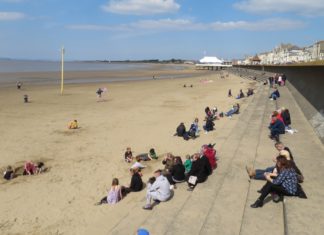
73, 125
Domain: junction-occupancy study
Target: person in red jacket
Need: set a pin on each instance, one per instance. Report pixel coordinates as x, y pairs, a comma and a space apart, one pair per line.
210, 153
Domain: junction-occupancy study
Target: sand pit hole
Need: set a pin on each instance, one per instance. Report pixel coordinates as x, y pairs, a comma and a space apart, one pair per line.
68, 132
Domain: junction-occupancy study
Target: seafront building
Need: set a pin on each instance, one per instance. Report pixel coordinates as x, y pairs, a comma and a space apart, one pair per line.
287, 54
212, 63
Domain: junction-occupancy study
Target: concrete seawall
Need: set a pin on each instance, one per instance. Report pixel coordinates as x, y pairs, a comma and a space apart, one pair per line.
306, 83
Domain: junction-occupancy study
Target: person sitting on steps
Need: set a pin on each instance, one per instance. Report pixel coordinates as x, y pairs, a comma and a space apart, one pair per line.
276, 127
159, 191
136, 183
284, 184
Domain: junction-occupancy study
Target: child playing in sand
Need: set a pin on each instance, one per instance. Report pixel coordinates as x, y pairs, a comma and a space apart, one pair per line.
73, 125
9, 173
128, 155
152, 154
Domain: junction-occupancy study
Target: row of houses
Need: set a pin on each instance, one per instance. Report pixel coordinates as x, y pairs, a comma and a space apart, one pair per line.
287, 54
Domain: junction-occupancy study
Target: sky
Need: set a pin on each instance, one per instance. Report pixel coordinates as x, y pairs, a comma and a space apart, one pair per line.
155, 29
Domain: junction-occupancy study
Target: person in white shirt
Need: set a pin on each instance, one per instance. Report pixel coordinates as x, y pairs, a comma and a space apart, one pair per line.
158, 191
138, 164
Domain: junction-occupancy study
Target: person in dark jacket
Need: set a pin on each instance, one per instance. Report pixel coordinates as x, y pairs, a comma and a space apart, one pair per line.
175, 174
209, 126
181, 131
136, 183
178, 171
200, 170
275, 94
286, 117
276, 127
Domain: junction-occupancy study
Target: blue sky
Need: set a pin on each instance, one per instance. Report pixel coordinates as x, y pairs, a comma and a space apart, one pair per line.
155, 29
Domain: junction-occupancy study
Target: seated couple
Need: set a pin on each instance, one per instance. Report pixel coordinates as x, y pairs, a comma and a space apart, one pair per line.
174, 170
284, 184
192, 133
117, 192
240, 95
212, 114
259, 174
234, 110
143, 157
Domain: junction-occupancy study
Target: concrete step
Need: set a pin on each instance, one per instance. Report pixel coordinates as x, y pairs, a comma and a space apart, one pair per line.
206, 206
174, 216
304, 216
235, 191
256, 221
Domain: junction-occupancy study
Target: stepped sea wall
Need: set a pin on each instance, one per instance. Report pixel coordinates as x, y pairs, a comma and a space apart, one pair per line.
306, 83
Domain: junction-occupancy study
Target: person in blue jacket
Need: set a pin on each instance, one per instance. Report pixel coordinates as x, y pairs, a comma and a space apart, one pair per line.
276, 127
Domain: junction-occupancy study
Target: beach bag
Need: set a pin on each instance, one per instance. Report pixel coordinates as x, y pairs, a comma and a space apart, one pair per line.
192, 180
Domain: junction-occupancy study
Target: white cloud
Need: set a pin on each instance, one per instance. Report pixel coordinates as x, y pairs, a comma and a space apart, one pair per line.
141, 7
301, 7
7, 15
275, 24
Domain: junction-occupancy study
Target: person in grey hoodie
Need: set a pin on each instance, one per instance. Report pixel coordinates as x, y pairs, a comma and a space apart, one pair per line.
158, 191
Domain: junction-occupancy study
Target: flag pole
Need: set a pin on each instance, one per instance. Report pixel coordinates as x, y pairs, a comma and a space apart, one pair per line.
62, 70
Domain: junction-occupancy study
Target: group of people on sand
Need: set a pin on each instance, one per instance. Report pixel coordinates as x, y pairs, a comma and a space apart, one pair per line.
241, 94
210, 116
194, 170
160, 187
283, 177
30, 168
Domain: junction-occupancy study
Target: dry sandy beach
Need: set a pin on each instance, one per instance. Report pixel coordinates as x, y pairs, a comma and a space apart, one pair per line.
139, 114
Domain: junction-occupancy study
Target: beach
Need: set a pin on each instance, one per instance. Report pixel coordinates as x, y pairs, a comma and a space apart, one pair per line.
83, 162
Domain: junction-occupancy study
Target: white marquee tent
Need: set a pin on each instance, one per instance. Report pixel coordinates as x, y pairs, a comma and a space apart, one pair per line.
210, 60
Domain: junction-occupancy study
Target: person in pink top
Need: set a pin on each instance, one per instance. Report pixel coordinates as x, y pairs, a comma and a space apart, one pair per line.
30, 168
114, 194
